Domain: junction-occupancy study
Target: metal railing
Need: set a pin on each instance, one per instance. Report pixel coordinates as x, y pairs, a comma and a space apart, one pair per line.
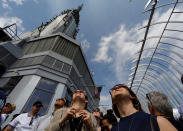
162, 61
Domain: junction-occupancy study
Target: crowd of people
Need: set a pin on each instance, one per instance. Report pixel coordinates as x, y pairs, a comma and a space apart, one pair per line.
126, 114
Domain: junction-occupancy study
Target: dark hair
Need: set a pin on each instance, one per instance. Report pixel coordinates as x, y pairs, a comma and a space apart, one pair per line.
110, 117
182, 79
135, 101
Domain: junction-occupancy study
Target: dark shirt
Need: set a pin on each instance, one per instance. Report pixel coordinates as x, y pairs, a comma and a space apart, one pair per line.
139, 121
176, 124
76, 124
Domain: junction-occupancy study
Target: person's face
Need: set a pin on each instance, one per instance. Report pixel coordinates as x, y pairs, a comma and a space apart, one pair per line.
60, 103
6, 109
79, 94
97, 114
105, 122
36, 109
118, 91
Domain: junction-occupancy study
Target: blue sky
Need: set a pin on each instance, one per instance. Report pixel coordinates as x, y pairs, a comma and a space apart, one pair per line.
108, 31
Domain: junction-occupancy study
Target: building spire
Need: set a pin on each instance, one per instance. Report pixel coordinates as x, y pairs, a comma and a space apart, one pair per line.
79, 8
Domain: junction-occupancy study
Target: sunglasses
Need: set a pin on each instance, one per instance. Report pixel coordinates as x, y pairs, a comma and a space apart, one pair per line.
79, 91
117, 87
63, 99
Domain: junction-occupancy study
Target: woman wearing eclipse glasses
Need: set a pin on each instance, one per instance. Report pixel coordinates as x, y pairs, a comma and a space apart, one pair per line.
75, 118
127, 107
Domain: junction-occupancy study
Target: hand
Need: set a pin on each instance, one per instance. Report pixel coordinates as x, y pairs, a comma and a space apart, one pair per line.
71, 112
86, 117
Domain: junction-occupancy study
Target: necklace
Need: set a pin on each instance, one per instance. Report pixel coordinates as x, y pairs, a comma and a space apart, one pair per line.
131, 122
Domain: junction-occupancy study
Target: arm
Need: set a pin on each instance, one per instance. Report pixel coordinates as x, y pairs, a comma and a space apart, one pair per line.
164, 124
59, 119
89, 120
8, 128
12, 124
54, 124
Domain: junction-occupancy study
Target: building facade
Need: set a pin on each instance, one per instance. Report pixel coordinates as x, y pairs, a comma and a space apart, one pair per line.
46, 64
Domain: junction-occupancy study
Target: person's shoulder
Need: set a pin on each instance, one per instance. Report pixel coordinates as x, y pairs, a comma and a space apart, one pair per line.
22, 115
61, 111
44, 117
141, 113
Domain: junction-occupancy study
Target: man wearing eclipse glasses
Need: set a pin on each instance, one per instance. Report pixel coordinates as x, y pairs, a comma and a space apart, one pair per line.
75, 118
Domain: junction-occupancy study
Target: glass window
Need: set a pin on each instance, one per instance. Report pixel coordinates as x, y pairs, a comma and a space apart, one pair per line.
44, 92
58, 65
48, 61
10, 84
66, 68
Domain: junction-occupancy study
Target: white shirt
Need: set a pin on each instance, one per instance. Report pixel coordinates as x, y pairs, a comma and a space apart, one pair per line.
43, 122
21, 122
3, 118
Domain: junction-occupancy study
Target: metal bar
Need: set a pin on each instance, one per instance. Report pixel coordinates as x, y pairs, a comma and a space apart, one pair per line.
155, 76
167, 57
161, 22
164, 49
178, 12
143, 44
170, 92
171, 3
9, 26
170, 77
175, 68
174, 30
164, 81
169, 37
166, 43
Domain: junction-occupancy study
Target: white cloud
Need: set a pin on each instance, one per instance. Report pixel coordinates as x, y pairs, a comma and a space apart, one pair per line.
6, 6
105, 102
119, 47
85, 45
4, 21
17, 2
5, 3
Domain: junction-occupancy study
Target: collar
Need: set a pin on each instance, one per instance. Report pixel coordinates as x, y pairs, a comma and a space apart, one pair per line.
29, 115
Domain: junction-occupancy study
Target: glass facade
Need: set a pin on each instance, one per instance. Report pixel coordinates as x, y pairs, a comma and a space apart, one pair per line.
43, 92
10, 84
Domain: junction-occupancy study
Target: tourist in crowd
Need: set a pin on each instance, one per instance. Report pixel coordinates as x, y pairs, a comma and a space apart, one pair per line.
159, 105
98, 115
127, 107
106, 125
111, 117
75, 118
25, 121
44, 121
108, 120
6, 110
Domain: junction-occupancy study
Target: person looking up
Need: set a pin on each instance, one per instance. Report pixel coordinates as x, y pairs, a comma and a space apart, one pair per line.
98, 115
44, 121
159, 105
74, 118
6, 110
25, 121
127, 107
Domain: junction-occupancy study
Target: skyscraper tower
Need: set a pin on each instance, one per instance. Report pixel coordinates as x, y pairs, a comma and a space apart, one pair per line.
67, 22
47, 64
